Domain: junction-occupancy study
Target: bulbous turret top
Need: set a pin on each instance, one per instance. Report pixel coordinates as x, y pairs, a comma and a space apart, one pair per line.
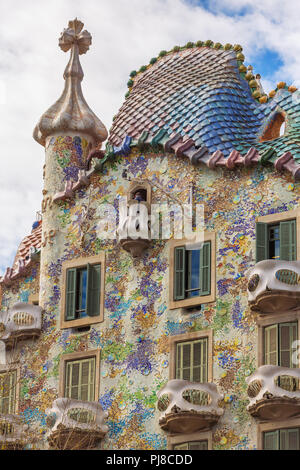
71, 113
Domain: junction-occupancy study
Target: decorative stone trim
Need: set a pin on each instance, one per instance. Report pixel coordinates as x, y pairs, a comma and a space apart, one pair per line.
267, 399
70, 433
181, 416
22, 321
274, 286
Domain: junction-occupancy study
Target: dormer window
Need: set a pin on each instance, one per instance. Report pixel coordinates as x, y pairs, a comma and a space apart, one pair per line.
275, 128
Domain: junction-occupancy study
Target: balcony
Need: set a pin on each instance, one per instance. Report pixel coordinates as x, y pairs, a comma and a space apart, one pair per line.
274, 286
187, 407
75, 424
12, 432
133, 231
274, 393
22, 321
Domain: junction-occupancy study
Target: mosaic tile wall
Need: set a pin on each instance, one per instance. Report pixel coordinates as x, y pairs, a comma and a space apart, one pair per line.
137, 322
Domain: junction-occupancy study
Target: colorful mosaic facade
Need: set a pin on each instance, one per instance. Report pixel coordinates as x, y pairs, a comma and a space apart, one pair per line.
134, 337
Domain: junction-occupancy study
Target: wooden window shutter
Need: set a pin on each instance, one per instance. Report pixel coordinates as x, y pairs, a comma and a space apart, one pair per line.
179, 273
271, 345
271, 440
93, 290
80, 379
205, 268
288, 240
291, 439
191, 360
8, 392
287, 335
261, 241
183, 361
70, 306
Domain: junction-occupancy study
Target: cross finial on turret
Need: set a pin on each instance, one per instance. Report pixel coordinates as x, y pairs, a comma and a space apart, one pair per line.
70, 113
74, 35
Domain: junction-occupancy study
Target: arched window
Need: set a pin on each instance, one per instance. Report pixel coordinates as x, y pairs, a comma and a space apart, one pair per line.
275, 128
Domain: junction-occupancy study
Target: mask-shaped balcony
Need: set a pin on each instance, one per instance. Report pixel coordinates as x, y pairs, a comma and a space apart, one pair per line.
22, 321
75, 424
133, 232
12, 432
274, 286
274, 393
187, 407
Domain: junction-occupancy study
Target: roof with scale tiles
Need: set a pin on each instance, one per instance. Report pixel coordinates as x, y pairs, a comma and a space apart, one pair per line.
201, 102
27, 252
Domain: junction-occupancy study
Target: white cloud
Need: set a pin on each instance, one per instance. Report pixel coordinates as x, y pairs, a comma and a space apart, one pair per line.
125, 36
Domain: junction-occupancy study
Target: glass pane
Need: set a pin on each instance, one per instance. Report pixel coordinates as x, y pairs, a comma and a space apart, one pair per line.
274, 242
194, 273
82, 293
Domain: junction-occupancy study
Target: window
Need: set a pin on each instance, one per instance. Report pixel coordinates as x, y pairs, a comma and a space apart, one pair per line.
196, 445
278, 340
191, 360
83, 291
8, 386
282, 439
275, 128
278, 350
276, 240
80, 379
200, 440
191, 356
79, 375
192, 272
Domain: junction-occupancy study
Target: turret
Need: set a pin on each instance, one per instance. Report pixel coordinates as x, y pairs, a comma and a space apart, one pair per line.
69, 131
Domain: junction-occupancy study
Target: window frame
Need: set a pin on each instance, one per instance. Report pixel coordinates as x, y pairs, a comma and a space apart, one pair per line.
175, 439
82, 263
13, 368
199, 300
269, 427
78, 356
282, 217
274, 319
187, 337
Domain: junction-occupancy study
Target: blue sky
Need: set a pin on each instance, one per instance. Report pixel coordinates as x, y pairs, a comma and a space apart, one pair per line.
125, 36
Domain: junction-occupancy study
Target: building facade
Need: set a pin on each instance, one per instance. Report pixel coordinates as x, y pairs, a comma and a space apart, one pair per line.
116, 336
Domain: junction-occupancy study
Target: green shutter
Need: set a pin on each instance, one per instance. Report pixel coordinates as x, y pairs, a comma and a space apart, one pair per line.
288, 240
93, 290
261, 241
205, 269
71, 294
271, 440
179, 273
